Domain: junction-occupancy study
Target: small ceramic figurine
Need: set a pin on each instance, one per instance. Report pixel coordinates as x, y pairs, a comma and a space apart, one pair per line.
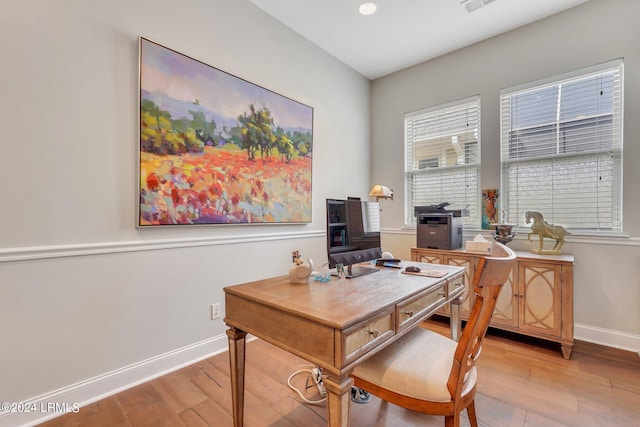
543, 229
300, 273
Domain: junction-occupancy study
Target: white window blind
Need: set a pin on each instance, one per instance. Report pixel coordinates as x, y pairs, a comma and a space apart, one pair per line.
561, 150
442, 163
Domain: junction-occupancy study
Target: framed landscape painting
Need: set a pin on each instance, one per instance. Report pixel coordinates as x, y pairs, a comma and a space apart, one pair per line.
217, 149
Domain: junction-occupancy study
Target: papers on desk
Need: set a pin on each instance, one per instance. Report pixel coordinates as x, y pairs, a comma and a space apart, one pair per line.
426, 273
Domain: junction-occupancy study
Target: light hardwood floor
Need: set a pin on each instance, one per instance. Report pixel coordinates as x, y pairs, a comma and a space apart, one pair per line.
520, 384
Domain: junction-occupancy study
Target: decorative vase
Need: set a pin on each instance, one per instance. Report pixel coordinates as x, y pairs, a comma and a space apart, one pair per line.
503, 233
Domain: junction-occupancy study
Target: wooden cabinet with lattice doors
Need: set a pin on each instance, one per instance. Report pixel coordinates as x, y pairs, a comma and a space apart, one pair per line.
447, 257
536, 300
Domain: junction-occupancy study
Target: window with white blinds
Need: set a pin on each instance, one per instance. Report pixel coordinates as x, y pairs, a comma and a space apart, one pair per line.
561, 150
442, 163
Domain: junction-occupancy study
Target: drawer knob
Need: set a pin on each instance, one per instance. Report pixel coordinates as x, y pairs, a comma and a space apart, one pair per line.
408, 313
441, 294
374, 333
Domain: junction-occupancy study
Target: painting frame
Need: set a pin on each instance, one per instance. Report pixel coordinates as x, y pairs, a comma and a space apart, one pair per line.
216, 149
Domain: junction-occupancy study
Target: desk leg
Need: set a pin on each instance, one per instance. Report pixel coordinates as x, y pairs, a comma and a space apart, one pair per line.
338, 400
454, 321
237, 339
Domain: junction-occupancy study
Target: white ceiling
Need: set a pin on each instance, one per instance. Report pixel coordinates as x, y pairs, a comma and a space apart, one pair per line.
403, 32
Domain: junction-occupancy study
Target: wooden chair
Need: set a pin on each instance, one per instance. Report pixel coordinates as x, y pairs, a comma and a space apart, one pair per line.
430, 373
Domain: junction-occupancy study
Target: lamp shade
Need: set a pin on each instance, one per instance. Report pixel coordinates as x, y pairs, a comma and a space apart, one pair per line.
381, 192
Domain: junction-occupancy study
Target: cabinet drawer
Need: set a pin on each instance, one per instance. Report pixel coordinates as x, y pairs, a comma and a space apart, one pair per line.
361, 338
416, 309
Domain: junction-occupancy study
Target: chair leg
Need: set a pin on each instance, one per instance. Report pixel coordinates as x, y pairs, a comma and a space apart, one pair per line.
449, 421
452, 420
471, 412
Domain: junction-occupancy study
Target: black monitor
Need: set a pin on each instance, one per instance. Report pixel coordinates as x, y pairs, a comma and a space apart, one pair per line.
353, 235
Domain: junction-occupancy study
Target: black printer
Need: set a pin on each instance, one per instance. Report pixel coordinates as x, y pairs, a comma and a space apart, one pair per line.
437, 228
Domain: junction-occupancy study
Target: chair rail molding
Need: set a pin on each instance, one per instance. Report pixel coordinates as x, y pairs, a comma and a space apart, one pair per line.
75, 250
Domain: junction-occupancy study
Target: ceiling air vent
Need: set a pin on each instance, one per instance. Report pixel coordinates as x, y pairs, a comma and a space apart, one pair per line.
473, 5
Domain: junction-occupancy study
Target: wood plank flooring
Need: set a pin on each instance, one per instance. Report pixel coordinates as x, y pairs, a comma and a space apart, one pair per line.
520, 384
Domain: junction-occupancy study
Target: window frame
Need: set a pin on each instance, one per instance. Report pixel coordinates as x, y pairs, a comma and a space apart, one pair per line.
412, 166
614, 184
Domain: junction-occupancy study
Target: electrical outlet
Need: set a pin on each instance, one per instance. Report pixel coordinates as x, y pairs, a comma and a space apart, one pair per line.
215, 311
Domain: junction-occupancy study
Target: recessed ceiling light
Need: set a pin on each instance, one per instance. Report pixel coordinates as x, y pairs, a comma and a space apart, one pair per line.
367, 8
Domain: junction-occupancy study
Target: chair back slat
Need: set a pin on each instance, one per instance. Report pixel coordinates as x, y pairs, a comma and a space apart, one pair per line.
494, 270
491, 273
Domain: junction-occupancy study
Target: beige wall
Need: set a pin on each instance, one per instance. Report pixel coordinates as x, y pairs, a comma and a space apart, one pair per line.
607, 284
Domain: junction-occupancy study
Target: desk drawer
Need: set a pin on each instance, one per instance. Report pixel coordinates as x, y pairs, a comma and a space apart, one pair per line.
455, 283
362, 337
421, 306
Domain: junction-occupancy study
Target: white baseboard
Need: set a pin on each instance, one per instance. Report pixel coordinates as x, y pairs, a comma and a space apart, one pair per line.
41, 408
607, 337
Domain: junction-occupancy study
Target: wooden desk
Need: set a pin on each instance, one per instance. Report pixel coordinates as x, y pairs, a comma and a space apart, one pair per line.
334, 325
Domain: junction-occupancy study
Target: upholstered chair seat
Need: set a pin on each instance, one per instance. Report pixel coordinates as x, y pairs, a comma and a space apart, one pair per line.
394, 367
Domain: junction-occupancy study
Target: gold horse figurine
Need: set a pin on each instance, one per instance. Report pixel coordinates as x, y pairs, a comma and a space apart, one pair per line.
543, 229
